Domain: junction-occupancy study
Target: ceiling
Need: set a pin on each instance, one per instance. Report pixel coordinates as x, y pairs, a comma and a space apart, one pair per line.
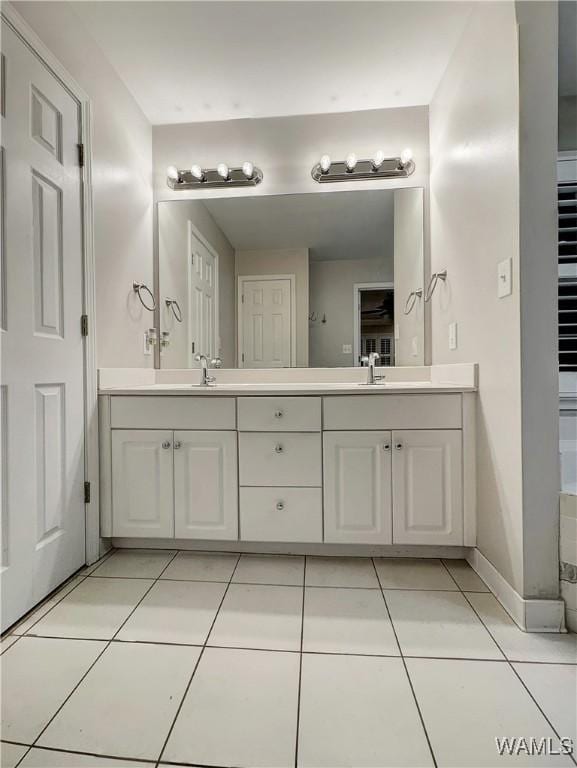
337, 225
203, 61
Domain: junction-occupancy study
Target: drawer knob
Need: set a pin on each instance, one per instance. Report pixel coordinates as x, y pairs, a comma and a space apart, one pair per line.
278, 448
280, 505
386, 446
166, 444
278, 414
177, 444
399, 446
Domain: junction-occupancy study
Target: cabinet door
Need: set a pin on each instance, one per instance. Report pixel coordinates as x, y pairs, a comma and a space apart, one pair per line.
142, 491
427, 487
357, 487
205, 485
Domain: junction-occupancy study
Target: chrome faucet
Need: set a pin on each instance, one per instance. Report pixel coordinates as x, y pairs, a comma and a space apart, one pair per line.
205, 379
370, 361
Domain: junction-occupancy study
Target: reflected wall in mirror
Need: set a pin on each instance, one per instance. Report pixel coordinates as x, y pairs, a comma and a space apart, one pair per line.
319, 280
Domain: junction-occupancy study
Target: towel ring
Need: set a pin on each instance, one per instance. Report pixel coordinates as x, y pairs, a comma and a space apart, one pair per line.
412, 300
137, 288
435, 277
174, 307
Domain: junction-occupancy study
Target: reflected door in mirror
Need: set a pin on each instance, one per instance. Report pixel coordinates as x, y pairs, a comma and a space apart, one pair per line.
203, 332
265, 335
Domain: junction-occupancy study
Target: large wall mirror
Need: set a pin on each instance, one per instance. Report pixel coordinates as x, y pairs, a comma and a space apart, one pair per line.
318, 280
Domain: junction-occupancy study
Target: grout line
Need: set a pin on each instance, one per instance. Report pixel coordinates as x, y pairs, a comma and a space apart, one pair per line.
300, 662
450, 574
200, 655
517, 675
88, 754
51, 720
406, 669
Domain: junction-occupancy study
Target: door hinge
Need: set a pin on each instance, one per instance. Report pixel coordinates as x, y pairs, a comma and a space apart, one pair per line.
192, 347
243, 357
81, 155
84, 325
87, 492
242, 298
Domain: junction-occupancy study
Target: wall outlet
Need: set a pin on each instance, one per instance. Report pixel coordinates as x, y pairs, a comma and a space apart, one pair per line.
504, 278
347, 349
452, 335
147, 346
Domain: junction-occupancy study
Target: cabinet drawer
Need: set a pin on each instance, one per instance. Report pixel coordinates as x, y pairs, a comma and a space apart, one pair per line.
269, 414
280, 458
152, 412
281, 514
392, 412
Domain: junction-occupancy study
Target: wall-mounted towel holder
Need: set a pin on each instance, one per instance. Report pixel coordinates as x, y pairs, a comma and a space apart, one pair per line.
435, 277
137, 288
174, 307
412, 300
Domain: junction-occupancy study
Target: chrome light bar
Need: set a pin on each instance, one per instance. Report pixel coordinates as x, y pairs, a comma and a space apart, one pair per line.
213, 178
351, 169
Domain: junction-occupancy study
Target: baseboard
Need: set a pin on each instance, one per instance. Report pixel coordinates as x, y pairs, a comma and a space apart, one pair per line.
531, 615
278, 548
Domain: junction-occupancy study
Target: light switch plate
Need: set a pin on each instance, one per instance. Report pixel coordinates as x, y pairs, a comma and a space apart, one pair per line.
415, 346
504, 278
397, 332
147, 348
347, 349
452, 335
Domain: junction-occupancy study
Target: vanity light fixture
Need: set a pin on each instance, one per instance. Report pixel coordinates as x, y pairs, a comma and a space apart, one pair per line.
210, 178
351, 169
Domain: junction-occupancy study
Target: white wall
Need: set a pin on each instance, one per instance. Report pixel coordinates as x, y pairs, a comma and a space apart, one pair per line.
286, 148
287, 261
122, 174
331, 294
173, 219
476, 222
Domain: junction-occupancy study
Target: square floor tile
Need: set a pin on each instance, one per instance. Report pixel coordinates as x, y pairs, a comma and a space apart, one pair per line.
47, 758
37, 676
241, 709
554, 688
347, 621
47, 605
127, 703
439, 624
258, 616
270, 569
175, 612
358, 711
95, 609
406, 573
135, 564
465, 576
341, 572
11, 754
466, 705
201, 566
523, 646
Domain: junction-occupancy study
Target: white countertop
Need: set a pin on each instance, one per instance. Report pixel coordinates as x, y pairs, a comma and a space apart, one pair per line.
292, 388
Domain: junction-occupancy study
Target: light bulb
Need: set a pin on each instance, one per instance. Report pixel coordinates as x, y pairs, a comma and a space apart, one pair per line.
248, 169
222, 170
197, 172
172, 173
325, 163
378, 159
351, 162
406, 156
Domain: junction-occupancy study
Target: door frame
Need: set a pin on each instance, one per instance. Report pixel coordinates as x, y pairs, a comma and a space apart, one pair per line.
193, 231
241, 279
91, 470
357, 290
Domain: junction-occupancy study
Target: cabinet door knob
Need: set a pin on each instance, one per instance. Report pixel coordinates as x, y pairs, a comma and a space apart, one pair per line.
166, 444
280, 505
278, 414
177, 444
278, 448
399, 446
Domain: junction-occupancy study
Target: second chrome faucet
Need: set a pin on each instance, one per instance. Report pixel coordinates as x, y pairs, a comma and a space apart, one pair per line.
205, 379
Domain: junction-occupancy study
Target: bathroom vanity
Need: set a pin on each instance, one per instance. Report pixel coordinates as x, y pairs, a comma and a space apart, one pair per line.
295, 461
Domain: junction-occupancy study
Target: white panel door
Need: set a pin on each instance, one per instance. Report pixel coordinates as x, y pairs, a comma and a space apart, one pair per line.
205, 485
142, 483
266, 324
427, 487
203, 300
43, 520
357, 485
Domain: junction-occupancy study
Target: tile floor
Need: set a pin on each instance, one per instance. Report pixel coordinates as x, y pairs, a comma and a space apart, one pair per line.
156, 658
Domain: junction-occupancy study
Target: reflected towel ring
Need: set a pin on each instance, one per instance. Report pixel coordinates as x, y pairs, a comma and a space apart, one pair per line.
137, 287
435, 277
174, 307
412, 300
